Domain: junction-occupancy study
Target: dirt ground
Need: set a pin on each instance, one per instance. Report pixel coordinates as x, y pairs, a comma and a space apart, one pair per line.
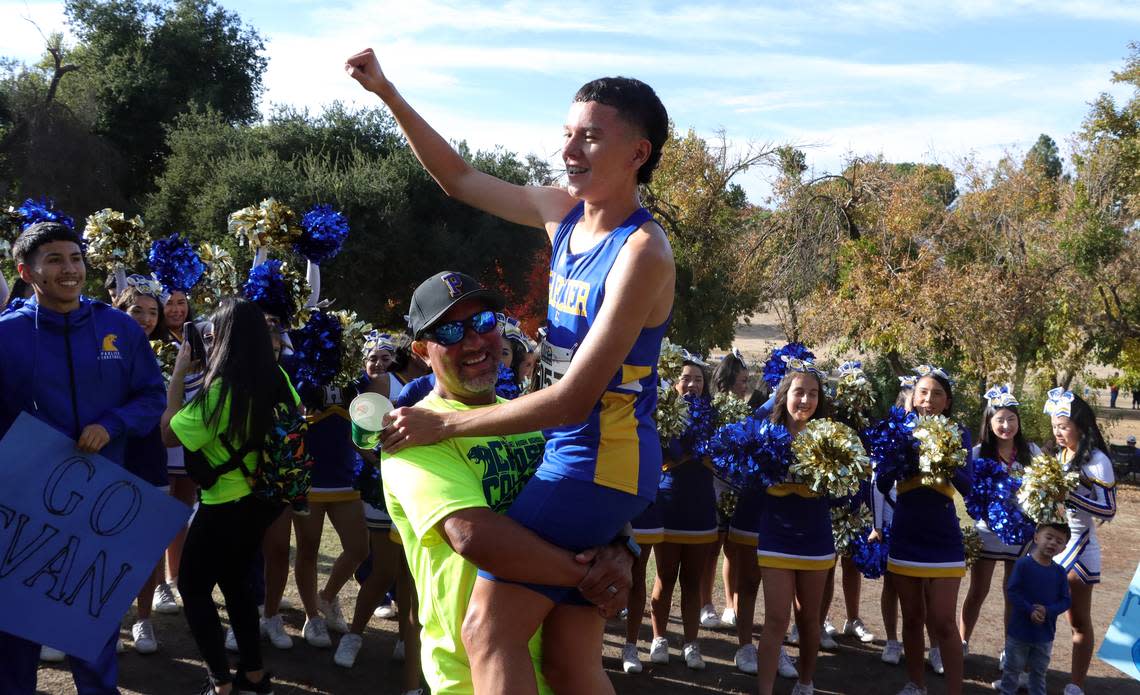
854, 669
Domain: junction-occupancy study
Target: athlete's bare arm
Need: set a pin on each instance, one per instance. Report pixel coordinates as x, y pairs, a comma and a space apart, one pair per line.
639, 294
542, 207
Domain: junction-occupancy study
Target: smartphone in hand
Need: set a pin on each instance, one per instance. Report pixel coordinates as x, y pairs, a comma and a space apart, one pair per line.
193, 336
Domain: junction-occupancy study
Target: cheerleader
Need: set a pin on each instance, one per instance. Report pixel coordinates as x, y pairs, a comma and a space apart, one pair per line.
1082, 449
731, 377
688, 511
927, 560
999, 439
146, 456
795, 546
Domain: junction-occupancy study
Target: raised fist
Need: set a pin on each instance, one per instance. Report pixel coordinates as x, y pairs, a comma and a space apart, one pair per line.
365, 69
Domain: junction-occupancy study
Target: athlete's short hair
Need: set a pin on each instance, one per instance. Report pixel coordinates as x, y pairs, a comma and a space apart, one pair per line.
638, 104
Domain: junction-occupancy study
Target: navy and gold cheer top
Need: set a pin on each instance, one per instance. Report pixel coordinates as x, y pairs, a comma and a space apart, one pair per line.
617, 446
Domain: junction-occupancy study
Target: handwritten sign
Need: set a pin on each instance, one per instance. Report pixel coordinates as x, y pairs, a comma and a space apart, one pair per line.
1121, 646
78, 537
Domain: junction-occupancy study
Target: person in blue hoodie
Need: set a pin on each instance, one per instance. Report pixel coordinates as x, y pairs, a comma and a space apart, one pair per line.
85, 369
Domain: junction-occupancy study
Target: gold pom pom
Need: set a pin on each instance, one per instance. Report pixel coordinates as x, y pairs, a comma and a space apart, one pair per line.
268, 225
354, 332
846, 526
165, 353
729, 409
114, 241
971, 544
855, 399
670, 362
1045, 485
830, 459
940, 451
672, 414
726, 503
221, 278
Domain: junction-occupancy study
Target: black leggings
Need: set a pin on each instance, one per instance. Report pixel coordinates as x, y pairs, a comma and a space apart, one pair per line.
220, 544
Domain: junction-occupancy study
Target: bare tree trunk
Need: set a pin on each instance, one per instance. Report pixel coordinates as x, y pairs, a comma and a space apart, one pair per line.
792, 323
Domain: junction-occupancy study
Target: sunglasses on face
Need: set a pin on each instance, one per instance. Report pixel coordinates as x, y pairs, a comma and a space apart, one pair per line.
452, 332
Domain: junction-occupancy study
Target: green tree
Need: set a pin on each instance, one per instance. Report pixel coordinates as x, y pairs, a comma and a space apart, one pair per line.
142, 64
1044, 154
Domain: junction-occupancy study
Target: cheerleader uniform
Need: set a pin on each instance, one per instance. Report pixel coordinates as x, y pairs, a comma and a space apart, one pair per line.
926, 540
744, 526
648, 528
686, 500
176, 455
992, 547
329, 441
1088, 506
795, 529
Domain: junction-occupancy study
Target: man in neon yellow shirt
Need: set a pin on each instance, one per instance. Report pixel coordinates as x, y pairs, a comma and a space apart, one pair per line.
447, 499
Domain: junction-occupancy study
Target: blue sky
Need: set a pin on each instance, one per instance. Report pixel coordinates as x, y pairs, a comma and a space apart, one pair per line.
911, 80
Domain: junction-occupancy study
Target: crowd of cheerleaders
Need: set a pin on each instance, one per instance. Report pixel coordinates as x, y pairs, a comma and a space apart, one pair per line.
740, 474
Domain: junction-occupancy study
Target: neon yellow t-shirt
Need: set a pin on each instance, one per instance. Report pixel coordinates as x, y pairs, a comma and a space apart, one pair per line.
189, 424
422, 486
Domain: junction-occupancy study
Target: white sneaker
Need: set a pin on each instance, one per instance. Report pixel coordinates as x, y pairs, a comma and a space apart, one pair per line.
630, 661
142, 633
829, 629
856, 628
801, 689
316, 633
51, 655
231, 641
793, 637
728, 618
387, 611
936, 660
892, 652
709, 617
274, 629
334, 618
965, 648
912, 689
746, 659
398, 652
826, 641
1001, 661
164, 601
786, 667
347, 650
1073, 689
659, 651
692, 653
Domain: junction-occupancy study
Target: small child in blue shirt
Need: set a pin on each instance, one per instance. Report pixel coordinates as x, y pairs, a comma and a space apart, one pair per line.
1038, 592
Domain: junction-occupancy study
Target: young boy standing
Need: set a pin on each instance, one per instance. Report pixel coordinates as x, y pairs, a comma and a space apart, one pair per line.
1038, 592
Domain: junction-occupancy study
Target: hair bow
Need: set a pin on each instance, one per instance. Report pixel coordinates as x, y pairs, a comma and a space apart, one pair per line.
693, 357
923, 370
851, 367
150, 286
1001, 397
511, 329
907, 383
740, 357
375, 340
803, 366
1059, 403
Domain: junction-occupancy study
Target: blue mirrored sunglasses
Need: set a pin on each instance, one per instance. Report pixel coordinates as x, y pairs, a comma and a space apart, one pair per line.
452, 332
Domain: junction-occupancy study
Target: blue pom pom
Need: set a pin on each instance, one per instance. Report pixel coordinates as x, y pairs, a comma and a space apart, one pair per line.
870, 557
42, 210
506, 387
993, 499
323, 231
266, 288
176, 263
702, 426
774, 367
751, 454
891, 445
318, 349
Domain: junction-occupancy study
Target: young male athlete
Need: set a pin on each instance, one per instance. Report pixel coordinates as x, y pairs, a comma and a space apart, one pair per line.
88, 371
611, 297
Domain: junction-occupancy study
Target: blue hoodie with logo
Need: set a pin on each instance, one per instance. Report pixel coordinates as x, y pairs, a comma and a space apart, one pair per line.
93, 365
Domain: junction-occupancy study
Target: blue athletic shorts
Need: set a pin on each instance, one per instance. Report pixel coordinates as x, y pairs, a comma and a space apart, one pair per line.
572, 514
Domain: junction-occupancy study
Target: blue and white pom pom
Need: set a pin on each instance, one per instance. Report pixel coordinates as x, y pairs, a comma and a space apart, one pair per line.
775, 367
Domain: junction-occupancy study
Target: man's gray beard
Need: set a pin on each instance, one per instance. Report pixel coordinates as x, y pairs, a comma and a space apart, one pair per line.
480, 385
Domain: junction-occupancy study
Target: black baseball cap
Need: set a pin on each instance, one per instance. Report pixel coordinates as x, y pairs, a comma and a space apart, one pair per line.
436, 295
